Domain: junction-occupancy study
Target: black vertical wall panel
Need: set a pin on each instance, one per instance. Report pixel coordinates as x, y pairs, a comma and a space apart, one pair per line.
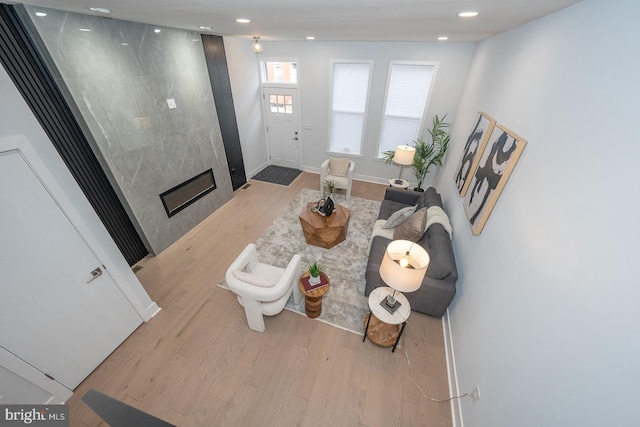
29, 73
221, 86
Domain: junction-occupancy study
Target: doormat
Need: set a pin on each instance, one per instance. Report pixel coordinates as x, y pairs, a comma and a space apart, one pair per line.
277, 175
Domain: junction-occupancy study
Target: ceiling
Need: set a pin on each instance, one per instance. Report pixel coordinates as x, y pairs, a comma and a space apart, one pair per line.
330, 20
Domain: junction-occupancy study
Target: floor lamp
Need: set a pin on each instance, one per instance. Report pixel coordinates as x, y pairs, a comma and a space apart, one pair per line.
403, 268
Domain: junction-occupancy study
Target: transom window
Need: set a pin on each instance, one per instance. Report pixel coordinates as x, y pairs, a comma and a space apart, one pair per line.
349, 97
406, 101
281, 104
279, 72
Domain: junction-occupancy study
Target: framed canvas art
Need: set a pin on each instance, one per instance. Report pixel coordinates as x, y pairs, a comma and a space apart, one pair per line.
495, 165
476, 141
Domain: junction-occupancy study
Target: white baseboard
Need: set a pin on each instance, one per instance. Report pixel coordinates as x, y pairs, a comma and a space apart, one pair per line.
254, 172
452, 375
152, 310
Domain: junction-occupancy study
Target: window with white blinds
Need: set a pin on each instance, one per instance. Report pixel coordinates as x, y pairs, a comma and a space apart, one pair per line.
406, 101
348, 106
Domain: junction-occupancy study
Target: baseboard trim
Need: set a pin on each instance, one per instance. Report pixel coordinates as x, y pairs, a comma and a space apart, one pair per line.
151, 311
452, 375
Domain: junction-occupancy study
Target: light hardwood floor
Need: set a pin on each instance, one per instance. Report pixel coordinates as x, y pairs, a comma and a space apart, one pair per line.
197, 363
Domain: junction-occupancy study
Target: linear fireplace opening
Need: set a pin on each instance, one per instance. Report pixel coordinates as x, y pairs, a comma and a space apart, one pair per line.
193, 189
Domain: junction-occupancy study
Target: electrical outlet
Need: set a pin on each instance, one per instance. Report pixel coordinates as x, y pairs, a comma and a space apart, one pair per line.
475, 393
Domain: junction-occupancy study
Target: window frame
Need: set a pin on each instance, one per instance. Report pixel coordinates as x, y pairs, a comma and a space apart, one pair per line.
426, 104
333, 63
261, 72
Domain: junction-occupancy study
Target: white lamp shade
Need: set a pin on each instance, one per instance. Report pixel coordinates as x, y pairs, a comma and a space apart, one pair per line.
404, 155
399, 277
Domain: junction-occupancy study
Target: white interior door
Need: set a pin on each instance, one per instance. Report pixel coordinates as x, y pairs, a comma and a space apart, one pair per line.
281, 111
51, 315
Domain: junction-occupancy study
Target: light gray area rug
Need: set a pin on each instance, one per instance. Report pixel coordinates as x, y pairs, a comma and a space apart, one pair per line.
345, 305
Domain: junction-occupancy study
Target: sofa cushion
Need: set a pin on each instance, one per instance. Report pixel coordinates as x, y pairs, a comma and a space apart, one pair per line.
399, 216
441, 263
429, 197
339, 166
413, 228
253, 279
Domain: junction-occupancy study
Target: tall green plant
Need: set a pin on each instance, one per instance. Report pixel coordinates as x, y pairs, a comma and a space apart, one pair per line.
427, 153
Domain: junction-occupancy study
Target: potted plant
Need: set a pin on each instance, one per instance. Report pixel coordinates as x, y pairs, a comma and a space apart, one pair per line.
315, 270
331, 185
427, 153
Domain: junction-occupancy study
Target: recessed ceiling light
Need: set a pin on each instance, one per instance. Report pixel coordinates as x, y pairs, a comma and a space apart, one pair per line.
124, 44
443, 38
157, 30
310, 38
243, 20
202, 27
100, 9
469, 14
41, 14
86, 30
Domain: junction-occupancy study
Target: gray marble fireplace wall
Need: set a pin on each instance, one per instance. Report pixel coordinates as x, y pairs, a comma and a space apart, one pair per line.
119, 76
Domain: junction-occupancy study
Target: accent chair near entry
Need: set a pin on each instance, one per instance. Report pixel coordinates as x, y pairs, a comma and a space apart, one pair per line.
338, 170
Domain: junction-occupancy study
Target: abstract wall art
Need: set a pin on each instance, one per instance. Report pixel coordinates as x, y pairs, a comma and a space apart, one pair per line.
476, 141
496, 164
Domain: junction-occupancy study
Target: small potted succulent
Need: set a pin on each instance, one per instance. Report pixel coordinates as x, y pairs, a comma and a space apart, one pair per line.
314, 273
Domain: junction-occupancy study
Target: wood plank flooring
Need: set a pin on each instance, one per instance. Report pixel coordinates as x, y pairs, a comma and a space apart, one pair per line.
198, 364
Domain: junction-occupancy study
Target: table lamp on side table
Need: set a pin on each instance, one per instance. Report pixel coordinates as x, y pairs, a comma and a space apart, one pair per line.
403, 268
403, 156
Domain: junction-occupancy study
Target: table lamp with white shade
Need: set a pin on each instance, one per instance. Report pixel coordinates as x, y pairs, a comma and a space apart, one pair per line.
403, 156
403, 268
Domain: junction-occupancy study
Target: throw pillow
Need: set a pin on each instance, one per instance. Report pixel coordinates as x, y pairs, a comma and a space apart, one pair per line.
339, 166
413, 228
253, 279
399, 216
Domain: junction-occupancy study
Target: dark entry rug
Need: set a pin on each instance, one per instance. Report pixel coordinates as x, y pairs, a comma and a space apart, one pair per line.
277, 175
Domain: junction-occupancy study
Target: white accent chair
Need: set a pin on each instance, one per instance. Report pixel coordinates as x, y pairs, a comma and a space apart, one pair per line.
263, 289
342, 178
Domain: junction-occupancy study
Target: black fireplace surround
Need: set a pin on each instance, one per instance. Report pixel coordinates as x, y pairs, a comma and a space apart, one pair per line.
182, 195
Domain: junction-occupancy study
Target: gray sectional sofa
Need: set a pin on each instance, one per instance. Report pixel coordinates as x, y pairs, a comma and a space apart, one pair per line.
439, 284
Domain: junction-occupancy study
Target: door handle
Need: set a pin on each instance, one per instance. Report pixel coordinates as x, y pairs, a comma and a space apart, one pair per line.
295, 138
95, 274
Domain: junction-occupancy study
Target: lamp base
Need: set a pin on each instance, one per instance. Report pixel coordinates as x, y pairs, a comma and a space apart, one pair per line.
390, 308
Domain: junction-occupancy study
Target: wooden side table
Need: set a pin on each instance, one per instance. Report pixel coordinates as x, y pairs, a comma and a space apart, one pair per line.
381, 327
313, 298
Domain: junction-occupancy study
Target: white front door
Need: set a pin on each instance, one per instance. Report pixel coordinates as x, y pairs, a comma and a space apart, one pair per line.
54, 314
281, 111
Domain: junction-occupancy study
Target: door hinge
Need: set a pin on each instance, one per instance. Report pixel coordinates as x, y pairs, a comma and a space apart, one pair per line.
267, 128
49, 376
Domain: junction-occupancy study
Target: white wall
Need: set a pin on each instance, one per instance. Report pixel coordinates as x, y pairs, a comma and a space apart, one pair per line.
546, 319
245, 87
314, 74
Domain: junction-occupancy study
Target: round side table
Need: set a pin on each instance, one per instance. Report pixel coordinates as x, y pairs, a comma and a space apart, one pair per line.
313, 298
404, 184
381, 327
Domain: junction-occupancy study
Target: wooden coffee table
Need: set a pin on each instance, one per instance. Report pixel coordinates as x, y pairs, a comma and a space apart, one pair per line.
324, 231
313, 298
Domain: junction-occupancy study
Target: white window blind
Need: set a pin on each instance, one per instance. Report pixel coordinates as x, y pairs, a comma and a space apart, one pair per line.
348, 106
407, 93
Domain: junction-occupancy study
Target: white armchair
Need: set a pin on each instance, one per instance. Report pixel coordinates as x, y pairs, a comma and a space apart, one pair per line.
341, 173
262, 289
